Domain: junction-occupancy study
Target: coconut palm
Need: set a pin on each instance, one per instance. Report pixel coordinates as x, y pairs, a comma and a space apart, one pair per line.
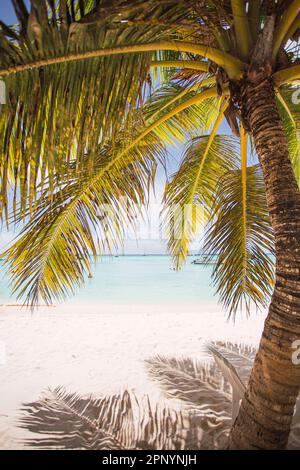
77, 135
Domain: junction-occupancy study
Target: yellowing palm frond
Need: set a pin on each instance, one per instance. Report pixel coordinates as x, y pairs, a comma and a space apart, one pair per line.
76, 76
56, 114
178, 127
85, 217
189, 196
52, 262
241, 239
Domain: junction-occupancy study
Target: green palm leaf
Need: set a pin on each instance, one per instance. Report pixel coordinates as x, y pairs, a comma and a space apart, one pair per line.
56, 114
181, 126
241, 239
50, 258
189, 195
85, 217
68, 104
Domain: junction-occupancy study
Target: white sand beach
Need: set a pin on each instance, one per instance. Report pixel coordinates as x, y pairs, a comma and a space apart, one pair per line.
100, 348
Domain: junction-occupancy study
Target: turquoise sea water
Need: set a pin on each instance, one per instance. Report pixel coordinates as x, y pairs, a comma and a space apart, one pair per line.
139, 279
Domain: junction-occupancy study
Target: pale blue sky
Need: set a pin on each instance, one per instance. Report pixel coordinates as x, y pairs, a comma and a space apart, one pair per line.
7, 13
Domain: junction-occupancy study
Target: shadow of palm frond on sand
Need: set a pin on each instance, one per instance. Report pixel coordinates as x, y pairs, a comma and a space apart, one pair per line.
202, 401
207, 388
69, 421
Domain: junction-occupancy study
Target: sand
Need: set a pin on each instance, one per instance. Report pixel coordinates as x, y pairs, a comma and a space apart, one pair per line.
100, 348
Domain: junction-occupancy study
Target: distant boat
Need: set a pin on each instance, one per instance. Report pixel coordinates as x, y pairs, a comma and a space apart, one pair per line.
204, 259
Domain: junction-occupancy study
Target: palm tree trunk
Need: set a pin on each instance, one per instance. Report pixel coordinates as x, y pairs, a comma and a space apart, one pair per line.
267, 409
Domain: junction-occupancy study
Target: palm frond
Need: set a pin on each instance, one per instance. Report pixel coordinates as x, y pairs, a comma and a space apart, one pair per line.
65, 224
241, 239
189, 196
70, 421
67, 96
86, 217
240, 355
230, 373
56, 114
180, 126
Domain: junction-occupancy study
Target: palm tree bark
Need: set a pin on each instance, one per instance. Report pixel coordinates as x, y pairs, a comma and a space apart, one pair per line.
267, 409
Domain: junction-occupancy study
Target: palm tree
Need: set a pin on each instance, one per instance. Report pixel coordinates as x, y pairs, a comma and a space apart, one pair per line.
76, 135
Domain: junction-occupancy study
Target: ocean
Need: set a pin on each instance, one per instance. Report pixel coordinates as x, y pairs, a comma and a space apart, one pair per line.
138, 279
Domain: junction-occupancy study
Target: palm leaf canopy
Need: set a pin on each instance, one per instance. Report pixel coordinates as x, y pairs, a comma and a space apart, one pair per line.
241, 237
60, 113
82, 129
